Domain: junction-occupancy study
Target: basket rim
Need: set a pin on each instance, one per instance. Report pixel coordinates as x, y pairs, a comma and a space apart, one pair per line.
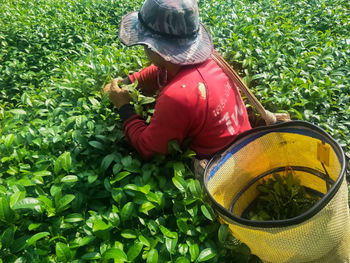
231, 218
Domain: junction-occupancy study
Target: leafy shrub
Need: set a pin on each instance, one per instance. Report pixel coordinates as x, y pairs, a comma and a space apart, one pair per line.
72, 189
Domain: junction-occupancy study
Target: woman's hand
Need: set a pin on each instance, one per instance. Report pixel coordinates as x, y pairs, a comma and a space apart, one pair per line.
118, 96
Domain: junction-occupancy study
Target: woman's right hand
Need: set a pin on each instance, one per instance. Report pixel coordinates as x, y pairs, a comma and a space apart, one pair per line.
120, 80
107, 88
118, 96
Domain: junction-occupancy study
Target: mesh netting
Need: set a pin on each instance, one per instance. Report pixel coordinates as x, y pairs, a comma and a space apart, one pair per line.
322, 234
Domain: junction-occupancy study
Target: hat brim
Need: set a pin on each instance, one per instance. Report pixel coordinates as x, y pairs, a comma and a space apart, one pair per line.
180, 51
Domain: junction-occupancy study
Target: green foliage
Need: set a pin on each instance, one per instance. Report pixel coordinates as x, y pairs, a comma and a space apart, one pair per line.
295, 55
73, 190
143, 105
281, 197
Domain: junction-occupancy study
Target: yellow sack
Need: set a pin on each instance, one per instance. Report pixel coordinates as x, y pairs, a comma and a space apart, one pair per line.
321, 234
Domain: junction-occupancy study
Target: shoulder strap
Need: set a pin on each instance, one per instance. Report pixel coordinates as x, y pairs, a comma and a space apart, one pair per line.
268, 116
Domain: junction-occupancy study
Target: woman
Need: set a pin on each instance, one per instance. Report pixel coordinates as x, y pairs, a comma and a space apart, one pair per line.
196, 102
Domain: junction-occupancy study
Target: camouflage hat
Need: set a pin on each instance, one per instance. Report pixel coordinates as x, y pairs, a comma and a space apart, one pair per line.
171, 28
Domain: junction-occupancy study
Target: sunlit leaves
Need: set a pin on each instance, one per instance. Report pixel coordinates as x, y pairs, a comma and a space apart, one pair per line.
64, 162
72, 189
63, 202
205, 255
134, 250
293, 56
63, 252
5, 212
33, 239
152, 256
7, 237
27, 203
116, 254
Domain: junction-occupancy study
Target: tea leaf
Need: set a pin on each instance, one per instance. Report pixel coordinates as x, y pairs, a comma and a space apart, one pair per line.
116, 254
91, 256
63, 252
208, 212
7, 237
194, 252
5, 212
134, 250
18, 112
129, 234
69, 179
182, 260
152, 256
27, 203
73, 218
63, 203
205, 255
223, 232
180, 183
36, 237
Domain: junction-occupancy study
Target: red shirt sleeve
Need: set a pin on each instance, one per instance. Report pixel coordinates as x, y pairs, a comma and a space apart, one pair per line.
147, 79
169, 121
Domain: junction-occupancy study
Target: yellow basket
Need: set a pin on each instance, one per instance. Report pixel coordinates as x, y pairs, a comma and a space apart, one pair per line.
321, 234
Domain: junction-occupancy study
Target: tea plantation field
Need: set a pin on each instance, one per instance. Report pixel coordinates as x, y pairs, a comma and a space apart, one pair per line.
73, 190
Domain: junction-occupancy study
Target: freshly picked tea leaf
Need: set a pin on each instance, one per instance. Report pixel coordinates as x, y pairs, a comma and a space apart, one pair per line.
281, 197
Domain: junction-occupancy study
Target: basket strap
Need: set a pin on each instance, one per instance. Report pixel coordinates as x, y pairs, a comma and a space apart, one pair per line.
268, 116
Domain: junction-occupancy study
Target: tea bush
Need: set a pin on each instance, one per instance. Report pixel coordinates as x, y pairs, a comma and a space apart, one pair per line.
73, 190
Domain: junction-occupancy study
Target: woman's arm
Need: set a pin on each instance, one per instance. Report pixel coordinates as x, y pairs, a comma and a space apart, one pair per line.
147, 80
169, 122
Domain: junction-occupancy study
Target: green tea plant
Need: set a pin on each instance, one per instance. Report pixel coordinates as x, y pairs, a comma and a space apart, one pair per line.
294, 55
144, 105
73, 190
281, 197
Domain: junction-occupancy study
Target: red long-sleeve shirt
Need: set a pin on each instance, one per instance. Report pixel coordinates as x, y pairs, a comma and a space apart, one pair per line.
199, 103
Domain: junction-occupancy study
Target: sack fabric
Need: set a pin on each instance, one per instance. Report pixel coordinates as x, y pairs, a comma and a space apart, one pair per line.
321, 234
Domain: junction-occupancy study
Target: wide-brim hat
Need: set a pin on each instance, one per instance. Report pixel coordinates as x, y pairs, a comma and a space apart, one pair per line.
169, 28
